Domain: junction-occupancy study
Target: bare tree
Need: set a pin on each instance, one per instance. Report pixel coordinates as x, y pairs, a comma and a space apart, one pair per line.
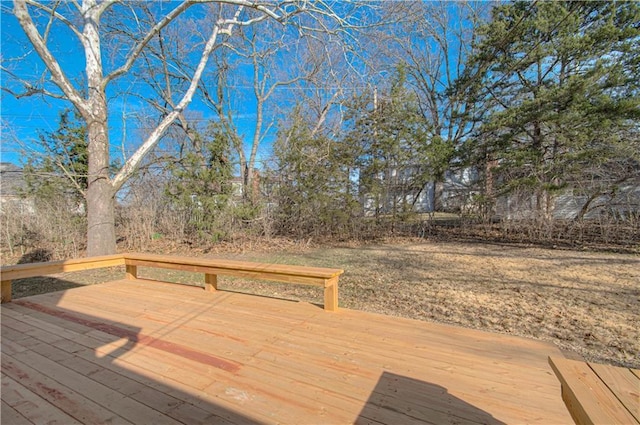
89, 96
264, 61
431, 41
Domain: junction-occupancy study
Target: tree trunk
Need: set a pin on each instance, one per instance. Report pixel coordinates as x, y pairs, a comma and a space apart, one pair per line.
489, 188
101, 235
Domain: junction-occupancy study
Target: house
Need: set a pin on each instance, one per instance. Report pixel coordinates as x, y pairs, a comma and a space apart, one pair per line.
403, 190
396, 189
620, 202
12, 183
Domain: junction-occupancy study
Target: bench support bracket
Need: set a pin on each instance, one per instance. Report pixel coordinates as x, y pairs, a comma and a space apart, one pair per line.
6, 291
210, 282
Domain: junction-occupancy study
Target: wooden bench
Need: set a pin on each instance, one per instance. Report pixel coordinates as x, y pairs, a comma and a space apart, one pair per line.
317, 276
598, 394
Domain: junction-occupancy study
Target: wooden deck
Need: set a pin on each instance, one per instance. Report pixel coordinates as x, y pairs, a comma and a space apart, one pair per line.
152, 353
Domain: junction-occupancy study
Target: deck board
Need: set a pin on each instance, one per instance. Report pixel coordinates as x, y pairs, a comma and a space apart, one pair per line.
149, 352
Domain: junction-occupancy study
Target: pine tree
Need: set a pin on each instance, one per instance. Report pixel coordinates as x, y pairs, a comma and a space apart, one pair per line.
314, 187
200, 183
58, 166
557, 83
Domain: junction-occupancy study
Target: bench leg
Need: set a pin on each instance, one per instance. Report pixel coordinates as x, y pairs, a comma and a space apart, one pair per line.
132, 272
331, 294
210, 282
6, 291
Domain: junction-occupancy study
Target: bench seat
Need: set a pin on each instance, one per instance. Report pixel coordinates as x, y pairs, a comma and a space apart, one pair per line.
598, 394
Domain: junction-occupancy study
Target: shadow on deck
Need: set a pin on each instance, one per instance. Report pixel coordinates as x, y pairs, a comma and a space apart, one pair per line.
147, 352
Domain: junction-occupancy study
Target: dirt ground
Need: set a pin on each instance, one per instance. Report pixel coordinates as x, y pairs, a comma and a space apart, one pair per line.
586, 303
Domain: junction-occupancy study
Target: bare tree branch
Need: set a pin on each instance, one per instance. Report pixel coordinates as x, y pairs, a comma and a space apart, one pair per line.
52, 12
58, 76
134, 161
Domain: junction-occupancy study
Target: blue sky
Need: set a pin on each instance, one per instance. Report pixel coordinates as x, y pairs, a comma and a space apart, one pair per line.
21, 117
25, 118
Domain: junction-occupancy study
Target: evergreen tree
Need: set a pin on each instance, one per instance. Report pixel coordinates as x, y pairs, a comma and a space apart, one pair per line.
557, 83
316, 193
398, 157
201, 182
59, 167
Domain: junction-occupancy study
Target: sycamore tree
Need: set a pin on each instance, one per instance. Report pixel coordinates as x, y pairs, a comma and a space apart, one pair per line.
111, 37
556, 91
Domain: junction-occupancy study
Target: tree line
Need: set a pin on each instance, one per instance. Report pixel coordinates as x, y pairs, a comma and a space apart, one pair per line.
367, 107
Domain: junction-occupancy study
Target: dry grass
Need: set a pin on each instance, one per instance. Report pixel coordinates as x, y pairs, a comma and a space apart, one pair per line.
586, 303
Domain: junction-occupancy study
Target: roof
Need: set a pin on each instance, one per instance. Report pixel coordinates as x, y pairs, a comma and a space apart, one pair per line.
11, 179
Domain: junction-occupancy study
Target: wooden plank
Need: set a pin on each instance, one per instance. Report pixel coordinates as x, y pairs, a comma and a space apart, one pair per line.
376, 343
20, 271
137, 338
307, 335
131, 272
426, 401
71, 402
320, 272
588, 399
417, 344
422, 336
96, 368
151, 397
349, 340
190, 414
277, 272
11, 416
294, 364
128, 408
404, 327
54, 325
362, 366
511, 406
238, 272
5, 290
117, 298
151, 376
30, 405
331, 294
279, 404
623, 384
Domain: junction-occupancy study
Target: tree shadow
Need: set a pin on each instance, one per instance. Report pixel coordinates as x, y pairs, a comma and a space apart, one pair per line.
39, 255
30, 286
400, 399
42, 284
